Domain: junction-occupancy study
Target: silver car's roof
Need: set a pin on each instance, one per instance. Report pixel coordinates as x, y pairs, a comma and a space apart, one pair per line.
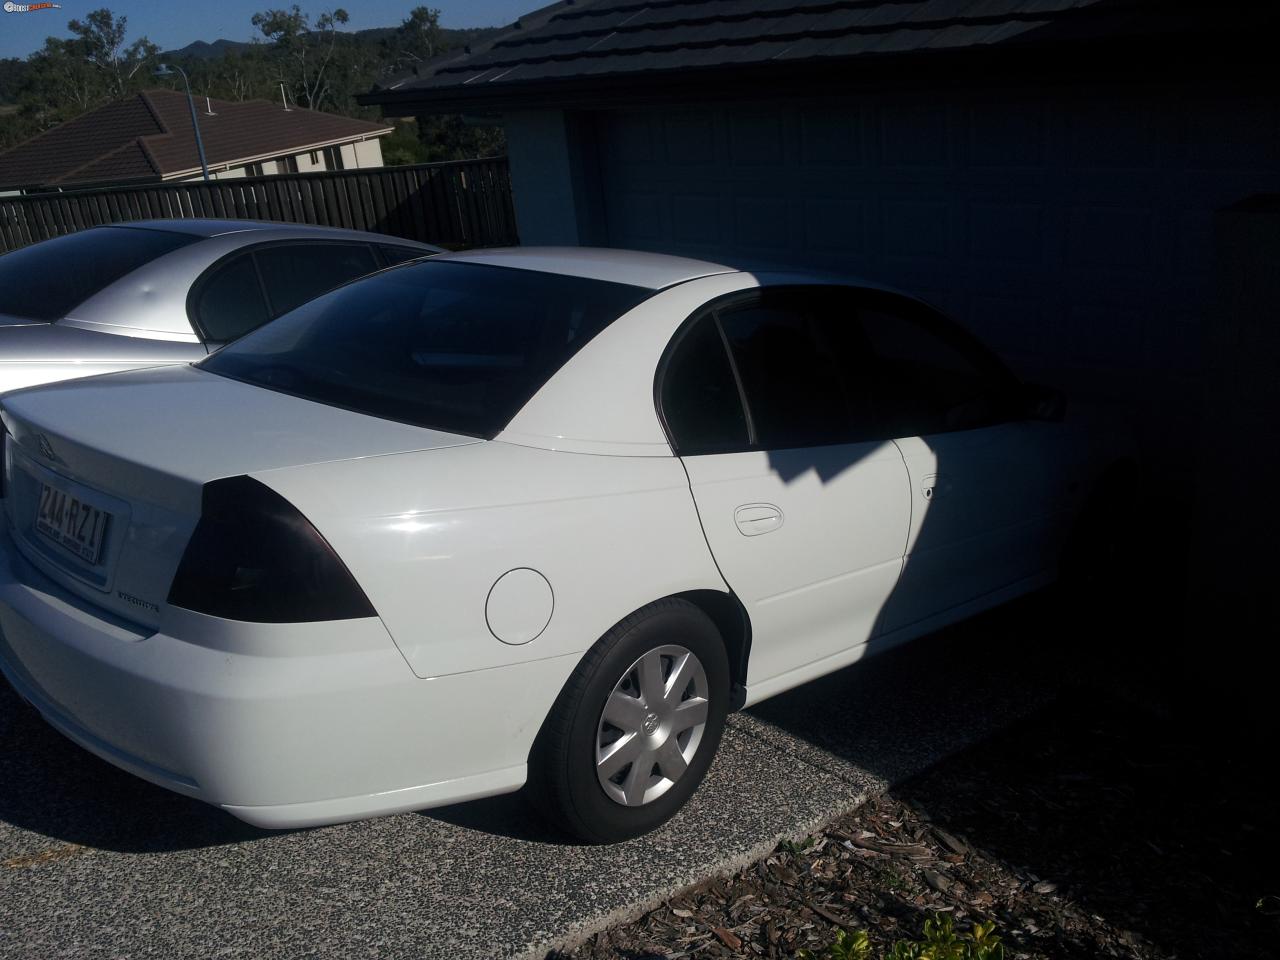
152, 300
220, 228
652, 270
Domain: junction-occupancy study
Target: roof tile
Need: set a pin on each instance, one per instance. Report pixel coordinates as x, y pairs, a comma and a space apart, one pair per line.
594, 38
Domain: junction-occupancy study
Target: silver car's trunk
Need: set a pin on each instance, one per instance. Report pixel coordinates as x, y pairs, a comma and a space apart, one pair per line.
33, 352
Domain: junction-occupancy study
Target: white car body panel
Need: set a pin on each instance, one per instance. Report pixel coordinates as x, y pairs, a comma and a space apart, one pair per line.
815, 581
633, 267
616, 370
241, 429
609, 534
990, 508
291, 725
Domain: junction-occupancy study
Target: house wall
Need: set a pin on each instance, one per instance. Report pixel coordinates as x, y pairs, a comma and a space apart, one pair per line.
550, 153
305, 163
1070, 228
364, 154
368, 153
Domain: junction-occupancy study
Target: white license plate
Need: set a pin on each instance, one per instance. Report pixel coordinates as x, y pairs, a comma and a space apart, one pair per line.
71, 523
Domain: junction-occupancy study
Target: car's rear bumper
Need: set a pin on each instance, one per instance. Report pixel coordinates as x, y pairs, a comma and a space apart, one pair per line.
283, 725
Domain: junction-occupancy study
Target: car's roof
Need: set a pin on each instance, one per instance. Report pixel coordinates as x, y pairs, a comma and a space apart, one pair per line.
200, 227
652, 270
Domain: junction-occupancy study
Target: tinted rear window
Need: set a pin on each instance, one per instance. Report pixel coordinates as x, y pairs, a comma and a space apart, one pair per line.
451, 346
46, 281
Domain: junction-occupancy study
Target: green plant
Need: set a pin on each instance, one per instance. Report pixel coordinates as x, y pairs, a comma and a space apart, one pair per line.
891, 880
847, 946
940, 942
796, 849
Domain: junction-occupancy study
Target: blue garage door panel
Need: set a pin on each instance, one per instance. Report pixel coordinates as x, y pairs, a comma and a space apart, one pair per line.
1072, 231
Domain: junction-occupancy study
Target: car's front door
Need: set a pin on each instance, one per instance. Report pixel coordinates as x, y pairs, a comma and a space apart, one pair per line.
806, 517
988, 485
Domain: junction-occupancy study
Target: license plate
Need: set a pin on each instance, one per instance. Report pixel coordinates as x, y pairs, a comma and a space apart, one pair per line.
71, 523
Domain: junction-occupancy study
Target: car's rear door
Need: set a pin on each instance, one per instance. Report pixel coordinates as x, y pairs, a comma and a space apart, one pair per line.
806, 517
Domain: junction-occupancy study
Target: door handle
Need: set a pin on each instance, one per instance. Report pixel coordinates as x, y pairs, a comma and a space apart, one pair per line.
754, 519
934, 486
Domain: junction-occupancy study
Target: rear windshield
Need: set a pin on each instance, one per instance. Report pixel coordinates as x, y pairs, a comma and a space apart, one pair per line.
46, 281
458, 347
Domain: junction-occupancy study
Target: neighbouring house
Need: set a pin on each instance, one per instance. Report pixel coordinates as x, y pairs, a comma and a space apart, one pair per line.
1047, 171
148, 138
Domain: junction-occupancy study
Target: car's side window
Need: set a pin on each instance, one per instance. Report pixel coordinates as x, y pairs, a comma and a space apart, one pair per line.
928, 376
229, 300
790, 375
700, 399
294, 273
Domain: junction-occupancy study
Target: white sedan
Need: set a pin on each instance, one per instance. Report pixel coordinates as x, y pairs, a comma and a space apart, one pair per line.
504, 516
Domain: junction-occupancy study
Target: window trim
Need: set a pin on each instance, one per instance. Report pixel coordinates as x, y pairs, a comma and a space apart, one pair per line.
704, 313
932, 320
385, 261
712, 310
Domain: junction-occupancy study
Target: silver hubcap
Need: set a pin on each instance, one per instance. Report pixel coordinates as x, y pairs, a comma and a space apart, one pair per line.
651, 725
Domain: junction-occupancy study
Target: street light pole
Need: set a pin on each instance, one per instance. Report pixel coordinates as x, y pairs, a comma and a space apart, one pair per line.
165, 69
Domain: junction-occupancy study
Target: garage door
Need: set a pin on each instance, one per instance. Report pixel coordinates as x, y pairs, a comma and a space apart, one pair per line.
1075, 235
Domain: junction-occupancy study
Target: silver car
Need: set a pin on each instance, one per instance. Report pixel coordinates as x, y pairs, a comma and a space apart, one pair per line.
166, 291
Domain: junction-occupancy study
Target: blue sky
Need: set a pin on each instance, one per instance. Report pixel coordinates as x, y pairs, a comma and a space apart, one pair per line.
176, 23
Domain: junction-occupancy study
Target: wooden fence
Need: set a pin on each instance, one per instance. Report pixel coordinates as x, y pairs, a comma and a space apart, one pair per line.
466, 203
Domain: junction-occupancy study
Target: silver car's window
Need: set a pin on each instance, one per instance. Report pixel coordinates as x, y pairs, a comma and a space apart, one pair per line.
47, 281
458, 347
228, 302
293, 273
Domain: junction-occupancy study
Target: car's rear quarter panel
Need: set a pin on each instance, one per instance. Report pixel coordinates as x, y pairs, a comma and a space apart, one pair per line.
428, 535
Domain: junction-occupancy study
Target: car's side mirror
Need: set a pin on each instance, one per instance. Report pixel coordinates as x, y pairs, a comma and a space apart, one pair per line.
1042, 403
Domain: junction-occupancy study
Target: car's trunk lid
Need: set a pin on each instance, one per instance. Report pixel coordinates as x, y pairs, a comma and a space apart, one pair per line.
131, 453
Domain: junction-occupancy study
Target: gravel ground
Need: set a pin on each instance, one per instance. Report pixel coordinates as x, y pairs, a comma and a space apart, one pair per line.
1097, 829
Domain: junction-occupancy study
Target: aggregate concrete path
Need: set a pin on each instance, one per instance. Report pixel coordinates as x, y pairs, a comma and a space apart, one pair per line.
94, 863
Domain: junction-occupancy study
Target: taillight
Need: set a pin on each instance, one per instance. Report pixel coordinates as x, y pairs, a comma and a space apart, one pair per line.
254, 557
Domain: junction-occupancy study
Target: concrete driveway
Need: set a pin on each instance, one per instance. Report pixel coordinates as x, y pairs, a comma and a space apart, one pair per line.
94, 863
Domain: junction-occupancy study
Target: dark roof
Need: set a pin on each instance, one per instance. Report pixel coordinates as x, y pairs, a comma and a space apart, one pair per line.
597, 43
148, 137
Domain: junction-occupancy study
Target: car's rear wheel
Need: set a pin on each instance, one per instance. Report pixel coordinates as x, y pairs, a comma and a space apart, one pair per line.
636, 727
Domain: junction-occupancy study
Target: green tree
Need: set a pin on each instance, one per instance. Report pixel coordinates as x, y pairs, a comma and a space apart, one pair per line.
452, 136
305, 52
418, 38
100, 40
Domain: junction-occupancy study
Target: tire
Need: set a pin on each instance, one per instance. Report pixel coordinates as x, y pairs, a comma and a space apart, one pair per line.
623, 799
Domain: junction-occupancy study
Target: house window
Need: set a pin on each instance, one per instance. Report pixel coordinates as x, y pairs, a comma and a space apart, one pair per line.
253, 170
290, 164
315, 158
333, 158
